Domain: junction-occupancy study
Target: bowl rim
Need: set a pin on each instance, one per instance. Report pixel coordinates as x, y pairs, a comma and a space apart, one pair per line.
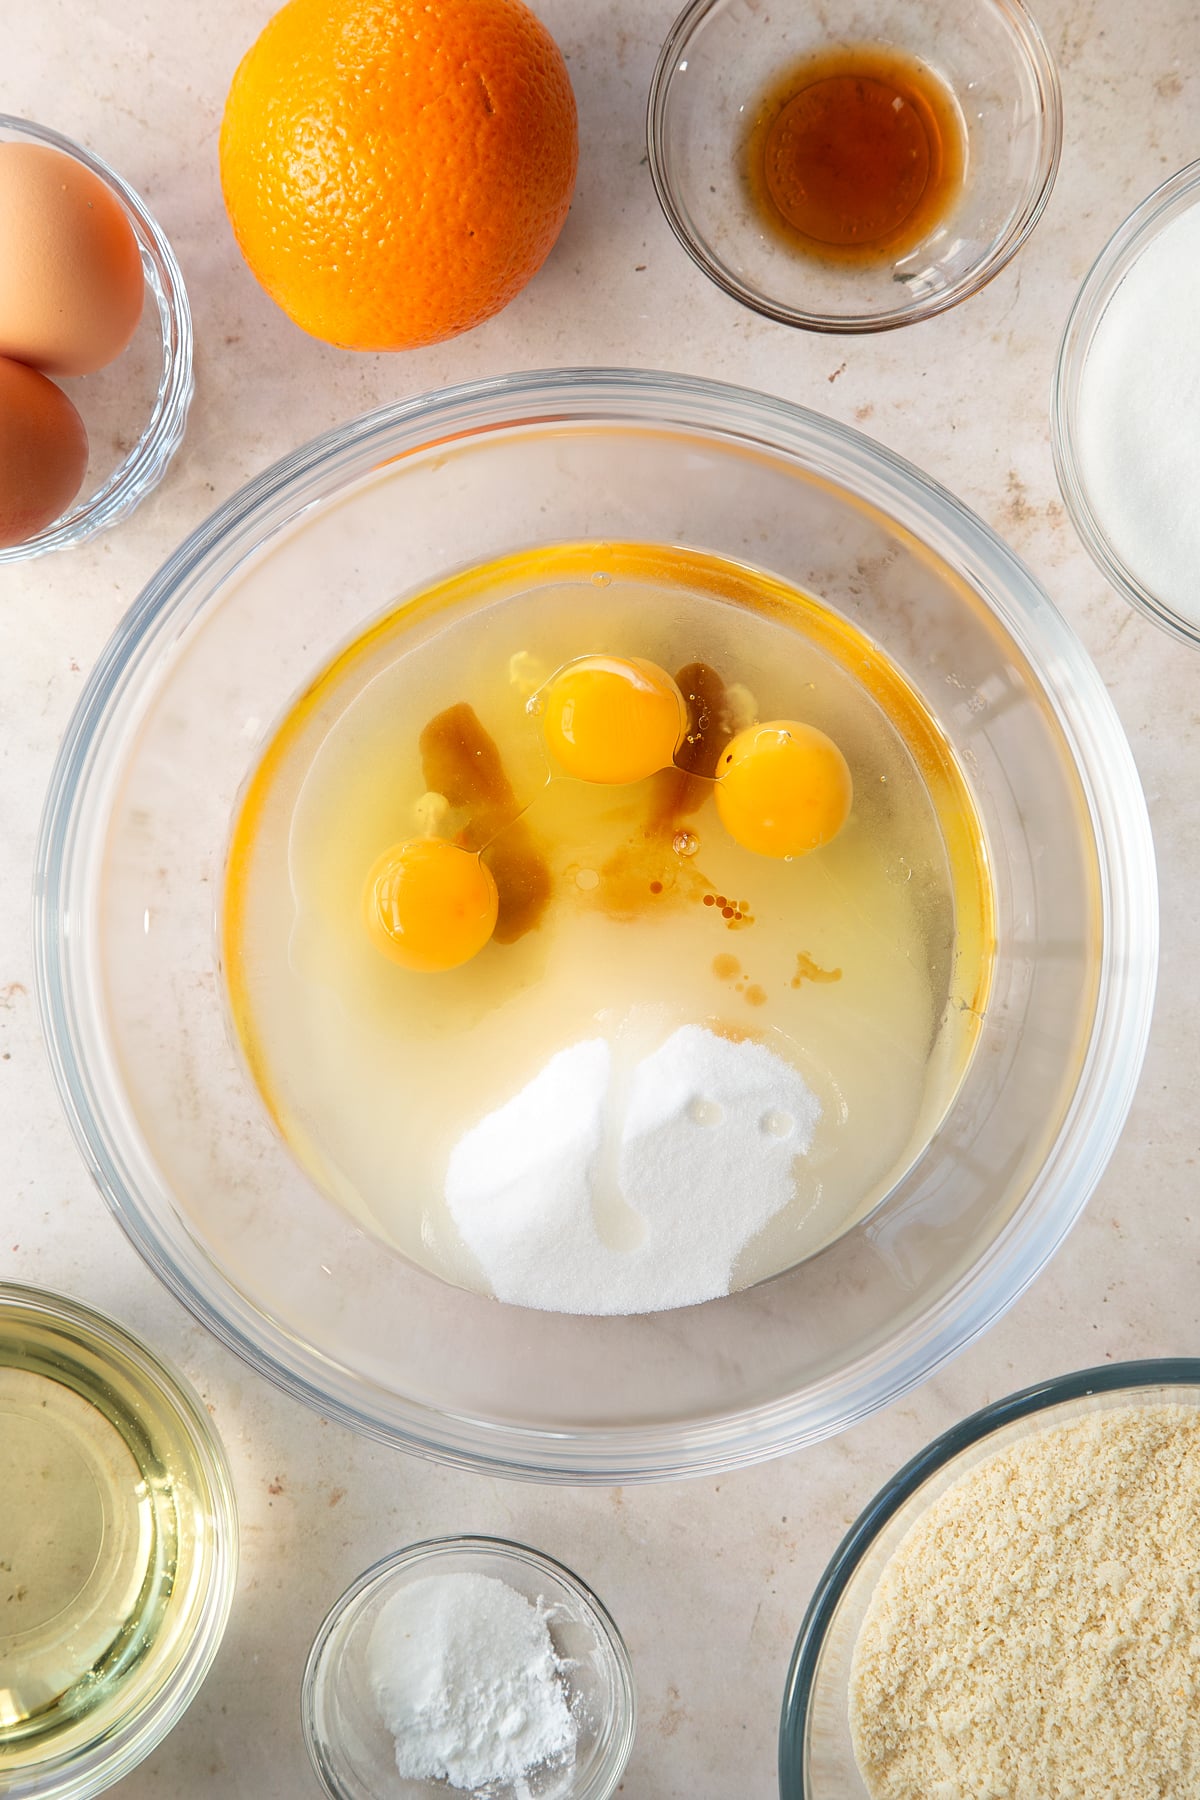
145, 464
1116, 813
1041, 65
97, 1764
1041, 1396
1178, 194
430, 1551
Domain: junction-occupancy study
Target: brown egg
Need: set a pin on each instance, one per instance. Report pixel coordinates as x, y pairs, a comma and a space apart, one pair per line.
71, 283
43, 453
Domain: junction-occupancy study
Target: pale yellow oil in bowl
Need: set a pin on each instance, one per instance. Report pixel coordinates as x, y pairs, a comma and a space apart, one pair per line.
117, 1543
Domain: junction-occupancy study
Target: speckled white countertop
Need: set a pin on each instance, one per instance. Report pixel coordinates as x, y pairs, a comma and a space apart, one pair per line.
707, 1579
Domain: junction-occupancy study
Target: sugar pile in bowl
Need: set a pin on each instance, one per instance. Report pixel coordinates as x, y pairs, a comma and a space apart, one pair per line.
626, 1185
1139, 401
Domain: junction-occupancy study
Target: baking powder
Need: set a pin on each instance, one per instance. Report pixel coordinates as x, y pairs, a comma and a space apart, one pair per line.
464, 1675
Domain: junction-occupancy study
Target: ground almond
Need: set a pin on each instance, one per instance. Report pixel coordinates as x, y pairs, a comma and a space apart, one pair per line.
1036, 1635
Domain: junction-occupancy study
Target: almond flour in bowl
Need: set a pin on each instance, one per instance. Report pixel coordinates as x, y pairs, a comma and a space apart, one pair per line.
1017, 1614
1036, 1633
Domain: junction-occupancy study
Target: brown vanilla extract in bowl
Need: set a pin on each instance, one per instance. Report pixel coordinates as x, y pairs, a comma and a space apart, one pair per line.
855, 155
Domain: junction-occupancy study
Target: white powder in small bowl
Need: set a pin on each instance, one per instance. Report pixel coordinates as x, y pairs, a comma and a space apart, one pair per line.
464, 1675
1139, 418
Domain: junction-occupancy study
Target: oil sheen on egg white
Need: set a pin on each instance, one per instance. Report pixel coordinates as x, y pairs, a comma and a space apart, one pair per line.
608, 928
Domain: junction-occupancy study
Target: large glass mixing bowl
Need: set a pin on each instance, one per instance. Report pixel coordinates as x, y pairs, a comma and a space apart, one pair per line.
256, 602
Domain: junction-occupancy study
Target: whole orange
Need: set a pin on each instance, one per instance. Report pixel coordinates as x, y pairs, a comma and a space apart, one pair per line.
396, 170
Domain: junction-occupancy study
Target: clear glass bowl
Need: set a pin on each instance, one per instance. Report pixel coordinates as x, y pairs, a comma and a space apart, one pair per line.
114, 1457
353, 1752
1128, 243
718, 58
135, 410
816, 1756
129, 872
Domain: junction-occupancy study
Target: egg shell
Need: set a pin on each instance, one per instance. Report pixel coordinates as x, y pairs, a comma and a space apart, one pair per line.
43, 453
71, 281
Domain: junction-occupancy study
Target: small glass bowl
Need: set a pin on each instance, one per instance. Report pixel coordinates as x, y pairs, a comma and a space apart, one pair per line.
816, 1756
720, 56
1128, 243
119, 1533
353, 1752
135, 409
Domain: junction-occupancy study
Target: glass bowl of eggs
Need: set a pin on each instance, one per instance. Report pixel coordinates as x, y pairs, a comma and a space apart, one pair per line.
595, 925
856, 166
95, 344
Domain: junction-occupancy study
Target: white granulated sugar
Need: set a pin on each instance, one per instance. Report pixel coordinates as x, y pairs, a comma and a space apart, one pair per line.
698, 1140
463, 1674
1036, 1635
1139, 417
519, 1184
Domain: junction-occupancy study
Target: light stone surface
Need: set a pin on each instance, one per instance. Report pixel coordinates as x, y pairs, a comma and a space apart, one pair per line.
708, 1579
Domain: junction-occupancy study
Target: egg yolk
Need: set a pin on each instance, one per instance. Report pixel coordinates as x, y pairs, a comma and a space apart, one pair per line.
430, 905
783, 788
612, 719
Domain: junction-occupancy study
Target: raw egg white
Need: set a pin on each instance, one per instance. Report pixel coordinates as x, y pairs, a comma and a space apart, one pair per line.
71, 282
43, 453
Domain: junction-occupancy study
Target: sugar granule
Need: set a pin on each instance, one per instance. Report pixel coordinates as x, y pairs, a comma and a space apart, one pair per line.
694, 1145
1138, 413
